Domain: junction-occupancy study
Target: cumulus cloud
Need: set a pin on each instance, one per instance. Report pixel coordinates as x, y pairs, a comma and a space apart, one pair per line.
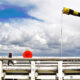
35, 38
42, 38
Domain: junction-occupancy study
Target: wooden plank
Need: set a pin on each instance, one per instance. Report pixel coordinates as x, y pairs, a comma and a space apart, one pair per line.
16, 71
53, 77
75, 77
72, 71
16, 77
15, 68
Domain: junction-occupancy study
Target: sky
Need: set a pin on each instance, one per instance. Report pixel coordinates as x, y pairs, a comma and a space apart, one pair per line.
36, 25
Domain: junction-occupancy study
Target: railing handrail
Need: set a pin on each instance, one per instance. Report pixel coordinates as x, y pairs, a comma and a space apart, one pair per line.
43, 58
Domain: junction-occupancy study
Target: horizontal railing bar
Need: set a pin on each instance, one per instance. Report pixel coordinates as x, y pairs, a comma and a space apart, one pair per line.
40, 68
16, 77
41, 77
46, 77
72, 77
45, 59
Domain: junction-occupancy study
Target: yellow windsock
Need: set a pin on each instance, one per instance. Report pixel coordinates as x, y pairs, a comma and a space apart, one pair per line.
66, 10
70, 11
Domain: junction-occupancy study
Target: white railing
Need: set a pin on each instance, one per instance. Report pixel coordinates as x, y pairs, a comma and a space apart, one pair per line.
43, 68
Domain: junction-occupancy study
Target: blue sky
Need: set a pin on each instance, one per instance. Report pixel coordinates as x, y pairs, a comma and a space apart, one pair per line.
36, 25
9, 12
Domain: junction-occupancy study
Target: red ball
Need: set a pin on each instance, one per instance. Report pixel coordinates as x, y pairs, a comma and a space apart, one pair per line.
27, 54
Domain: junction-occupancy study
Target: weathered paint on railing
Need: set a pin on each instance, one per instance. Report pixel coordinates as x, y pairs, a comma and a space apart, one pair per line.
48, 68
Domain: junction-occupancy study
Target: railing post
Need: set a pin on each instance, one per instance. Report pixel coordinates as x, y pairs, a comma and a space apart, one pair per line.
32, 75
60, 71
1, 70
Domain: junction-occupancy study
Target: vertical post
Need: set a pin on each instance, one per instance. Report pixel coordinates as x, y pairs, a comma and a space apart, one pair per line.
32, 70
1, 70
61, 47
60, 71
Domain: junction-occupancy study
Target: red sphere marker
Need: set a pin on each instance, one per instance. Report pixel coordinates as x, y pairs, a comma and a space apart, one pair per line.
27, 54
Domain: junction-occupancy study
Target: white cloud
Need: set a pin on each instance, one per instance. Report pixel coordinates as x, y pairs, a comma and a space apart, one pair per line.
34, 37
41, 37
22, 3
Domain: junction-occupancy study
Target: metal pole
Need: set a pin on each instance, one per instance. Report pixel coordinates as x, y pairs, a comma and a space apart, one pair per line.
61, 48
